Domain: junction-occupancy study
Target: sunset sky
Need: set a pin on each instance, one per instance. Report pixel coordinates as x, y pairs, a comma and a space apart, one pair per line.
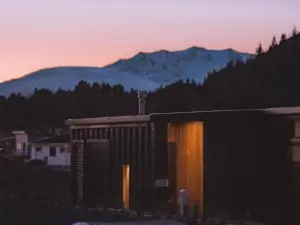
44, 33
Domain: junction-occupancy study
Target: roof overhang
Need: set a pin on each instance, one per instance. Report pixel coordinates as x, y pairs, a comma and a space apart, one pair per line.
109, 120
285, 111
291, 112
38, 144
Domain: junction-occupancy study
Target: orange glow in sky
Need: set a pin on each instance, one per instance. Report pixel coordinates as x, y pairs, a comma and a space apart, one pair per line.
39, 33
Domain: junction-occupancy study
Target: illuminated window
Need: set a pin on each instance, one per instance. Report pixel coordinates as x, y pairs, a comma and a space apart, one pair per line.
126, 187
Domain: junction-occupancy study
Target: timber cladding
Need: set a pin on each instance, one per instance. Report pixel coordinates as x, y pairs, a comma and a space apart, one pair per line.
228, 161
97, 172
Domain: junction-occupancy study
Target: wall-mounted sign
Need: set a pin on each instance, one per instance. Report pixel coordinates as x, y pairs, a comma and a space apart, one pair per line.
161, 183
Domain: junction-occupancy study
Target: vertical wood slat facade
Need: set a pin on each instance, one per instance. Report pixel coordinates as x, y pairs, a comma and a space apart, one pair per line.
129, 144
243, 155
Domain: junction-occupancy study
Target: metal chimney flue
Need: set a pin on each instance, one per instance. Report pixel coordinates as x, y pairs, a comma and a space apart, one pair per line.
142, 95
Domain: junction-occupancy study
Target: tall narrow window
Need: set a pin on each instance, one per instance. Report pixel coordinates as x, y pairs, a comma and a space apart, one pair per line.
126, 186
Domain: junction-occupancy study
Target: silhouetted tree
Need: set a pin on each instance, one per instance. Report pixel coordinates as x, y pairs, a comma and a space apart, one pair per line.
294, 32
269, 79
259, 49
283, 38
273, 43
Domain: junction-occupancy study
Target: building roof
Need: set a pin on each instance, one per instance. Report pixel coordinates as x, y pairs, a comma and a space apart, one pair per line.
275, 111
144, 118
59, 139
19, 132
284, 110
108, 120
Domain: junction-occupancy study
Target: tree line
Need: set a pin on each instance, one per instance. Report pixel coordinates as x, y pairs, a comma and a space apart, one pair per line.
271, 78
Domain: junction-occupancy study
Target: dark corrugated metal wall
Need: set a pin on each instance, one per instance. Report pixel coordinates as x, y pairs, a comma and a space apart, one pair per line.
246, 166
129, 144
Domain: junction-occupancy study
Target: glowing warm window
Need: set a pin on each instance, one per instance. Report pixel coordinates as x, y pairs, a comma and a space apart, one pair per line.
126, 186
188, 138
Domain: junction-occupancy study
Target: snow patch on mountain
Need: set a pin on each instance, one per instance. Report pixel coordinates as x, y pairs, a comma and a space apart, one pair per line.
144, 71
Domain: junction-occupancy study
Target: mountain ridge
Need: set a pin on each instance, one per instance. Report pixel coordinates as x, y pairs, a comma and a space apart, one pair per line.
143, 71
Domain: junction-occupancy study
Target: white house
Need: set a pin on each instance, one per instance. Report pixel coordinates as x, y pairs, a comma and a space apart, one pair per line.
55, 151
21, 142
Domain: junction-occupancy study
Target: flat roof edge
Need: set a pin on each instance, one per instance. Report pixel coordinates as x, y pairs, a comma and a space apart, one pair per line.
108, 120
283, 111
274, 111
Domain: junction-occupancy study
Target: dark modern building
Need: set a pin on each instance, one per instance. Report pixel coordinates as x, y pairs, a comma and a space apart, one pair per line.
230, 160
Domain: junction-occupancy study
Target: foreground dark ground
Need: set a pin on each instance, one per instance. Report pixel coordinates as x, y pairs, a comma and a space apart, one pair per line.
40, 196
19, 181
35, 195
15, 212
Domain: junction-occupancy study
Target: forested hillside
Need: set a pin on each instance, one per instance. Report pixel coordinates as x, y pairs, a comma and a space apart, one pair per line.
272, 78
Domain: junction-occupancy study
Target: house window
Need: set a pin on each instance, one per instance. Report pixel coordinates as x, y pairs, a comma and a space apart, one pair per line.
62, 149
38, 149
52, 151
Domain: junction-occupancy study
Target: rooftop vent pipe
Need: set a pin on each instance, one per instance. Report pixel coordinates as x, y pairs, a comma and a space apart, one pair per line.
142, 102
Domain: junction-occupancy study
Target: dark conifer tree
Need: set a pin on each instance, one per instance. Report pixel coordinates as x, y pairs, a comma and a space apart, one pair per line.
271, 79
259, 49
283, 38
294, 32
273, 43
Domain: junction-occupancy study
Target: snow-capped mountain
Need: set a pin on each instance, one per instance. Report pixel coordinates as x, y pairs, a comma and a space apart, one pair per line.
144, 71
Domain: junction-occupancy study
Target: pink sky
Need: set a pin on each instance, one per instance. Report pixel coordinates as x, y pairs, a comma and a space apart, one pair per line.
45, 33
